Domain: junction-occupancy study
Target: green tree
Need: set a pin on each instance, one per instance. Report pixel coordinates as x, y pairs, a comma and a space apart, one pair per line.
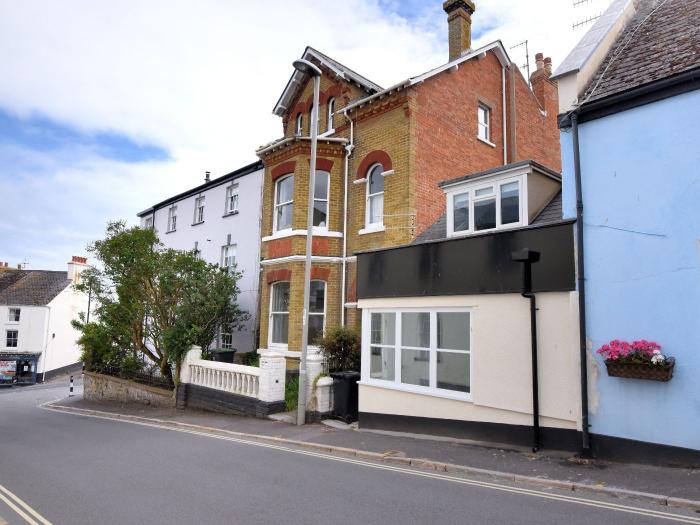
153, 301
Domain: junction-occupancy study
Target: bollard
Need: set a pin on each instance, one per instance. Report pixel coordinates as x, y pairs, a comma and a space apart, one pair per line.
70, 393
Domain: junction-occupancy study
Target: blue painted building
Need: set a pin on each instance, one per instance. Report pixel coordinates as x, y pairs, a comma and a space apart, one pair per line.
631, 91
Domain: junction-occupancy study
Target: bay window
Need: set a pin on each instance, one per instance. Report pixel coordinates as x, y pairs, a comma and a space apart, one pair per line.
279, 313
419, 350
284, 203
482, 206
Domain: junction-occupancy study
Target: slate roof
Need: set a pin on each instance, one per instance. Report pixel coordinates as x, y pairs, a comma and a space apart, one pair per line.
31, 287
661, 40
438, 230
499, 169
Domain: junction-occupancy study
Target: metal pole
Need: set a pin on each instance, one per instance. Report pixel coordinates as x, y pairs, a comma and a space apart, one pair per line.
301, 407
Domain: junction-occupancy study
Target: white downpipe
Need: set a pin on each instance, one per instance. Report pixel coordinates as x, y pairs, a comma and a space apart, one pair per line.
47, 340
503, 106
348, 152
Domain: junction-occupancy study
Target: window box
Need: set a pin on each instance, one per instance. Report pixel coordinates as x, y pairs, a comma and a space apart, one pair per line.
662, 372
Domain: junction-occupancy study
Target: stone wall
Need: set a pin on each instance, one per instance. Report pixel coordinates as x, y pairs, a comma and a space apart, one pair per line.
98, 387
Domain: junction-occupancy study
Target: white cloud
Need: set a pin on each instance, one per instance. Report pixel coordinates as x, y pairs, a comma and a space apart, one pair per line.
198, 79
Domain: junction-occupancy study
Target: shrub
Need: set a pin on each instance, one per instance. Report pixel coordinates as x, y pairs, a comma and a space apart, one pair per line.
291, 393
341, 348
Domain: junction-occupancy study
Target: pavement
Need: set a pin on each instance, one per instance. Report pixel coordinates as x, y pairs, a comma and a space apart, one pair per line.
160, 466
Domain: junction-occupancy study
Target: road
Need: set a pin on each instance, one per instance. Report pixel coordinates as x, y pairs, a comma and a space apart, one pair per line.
69, 469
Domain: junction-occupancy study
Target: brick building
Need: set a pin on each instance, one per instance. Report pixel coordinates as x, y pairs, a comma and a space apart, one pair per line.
382, 154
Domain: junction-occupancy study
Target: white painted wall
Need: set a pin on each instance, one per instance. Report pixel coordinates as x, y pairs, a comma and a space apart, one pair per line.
211, 235
31, 328
501, 389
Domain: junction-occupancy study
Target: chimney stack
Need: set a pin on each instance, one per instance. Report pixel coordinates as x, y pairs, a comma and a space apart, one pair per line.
548, 66
75, 267
207, 177
459, 26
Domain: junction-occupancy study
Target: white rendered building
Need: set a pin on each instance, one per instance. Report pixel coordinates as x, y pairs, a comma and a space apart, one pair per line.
37, 340
221, 220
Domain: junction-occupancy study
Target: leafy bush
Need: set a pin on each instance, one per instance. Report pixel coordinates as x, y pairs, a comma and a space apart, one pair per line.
291, 393
130, 366
251, 359
341, 348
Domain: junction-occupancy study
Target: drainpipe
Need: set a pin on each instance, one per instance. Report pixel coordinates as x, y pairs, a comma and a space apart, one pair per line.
528, 257
46, 343
348, 151
503, 111
581, 286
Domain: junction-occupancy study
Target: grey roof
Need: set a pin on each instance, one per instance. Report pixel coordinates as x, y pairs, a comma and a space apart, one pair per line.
550, 213
493, 171
31, 287
578, 56
438, 230
662, 40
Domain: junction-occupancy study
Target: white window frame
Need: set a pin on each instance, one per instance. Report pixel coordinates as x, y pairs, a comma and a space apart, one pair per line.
299, 125
232, 199
10, 317
7, 338
199, 205
227, 256
483, 125
148, 223
396, 383
330, 109
271, 318
472, 187
226, 333
172, 219
380, 224
277, 205
327, 200
325, 308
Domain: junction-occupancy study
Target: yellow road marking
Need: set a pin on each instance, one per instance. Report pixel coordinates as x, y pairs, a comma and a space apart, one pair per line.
20, 506
464, 481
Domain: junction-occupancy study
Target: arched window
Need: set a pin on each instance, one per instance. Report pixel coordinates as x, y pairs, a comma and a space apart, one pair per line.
329, 115
284, 203
299, 126
279, 313
374, 214
317, 310
321, 199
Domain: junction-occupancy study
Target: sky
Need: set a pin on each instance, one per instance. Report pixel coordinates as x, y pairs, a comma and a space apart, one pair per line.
109, 107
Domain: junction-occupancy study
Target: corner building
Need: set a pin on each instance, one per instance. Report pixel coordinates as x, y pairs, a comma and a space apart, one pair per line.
382, 154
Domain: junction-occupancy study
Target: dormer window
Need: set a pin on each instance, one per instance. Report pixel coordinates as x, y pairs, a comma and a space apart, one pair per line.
299, 126
481, 205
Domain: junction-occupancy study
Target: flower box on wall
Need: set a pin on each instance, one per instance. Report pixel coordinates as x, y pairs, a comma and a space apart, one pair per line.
639, 360
662, 372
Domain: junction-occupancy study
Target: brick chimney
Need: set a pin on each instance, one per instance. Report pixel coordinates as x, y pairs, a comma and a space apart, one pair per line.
459, 26
544, 89
75, 267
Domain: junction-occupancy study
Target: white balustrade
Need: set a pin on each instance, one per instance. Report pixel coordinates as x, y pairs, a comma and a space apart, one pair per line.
227, 377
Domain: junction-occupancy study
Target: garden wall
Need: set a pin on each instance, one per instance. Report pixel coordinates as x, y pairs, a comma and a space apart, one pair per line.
98, 387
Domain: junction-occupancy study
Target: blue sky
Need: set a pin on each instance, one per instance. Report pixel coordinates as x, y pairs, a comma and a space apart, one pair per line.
108, 107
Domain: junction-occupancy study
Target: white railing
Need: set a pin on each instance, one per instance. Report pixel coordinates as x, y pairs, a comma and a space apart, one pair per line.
236, 379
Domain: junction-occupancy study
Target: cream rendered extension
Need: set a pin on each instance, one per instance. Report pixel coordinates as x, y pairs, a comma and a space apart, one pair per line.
501, 389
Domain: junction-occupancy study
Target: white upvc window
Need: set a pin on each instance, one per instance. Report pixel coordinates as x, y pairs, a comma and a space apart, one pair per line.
374, 208
172, 218
317, 311
228, 257
14, 315
321, 194
422, 350
284, 203
483, 113
11, 338
148, 224
199, 210
484, 206
226, 336
299, 125
330, 108
231, 199
279, 314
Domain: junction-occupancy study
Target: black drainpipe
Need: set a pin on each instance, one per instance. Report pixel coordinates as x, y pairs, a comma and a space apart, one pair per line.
581, 285
527, 257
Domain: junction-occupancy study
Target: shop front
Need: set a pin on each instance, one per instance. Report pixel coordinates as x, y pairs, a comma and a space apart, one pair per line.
18, 368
